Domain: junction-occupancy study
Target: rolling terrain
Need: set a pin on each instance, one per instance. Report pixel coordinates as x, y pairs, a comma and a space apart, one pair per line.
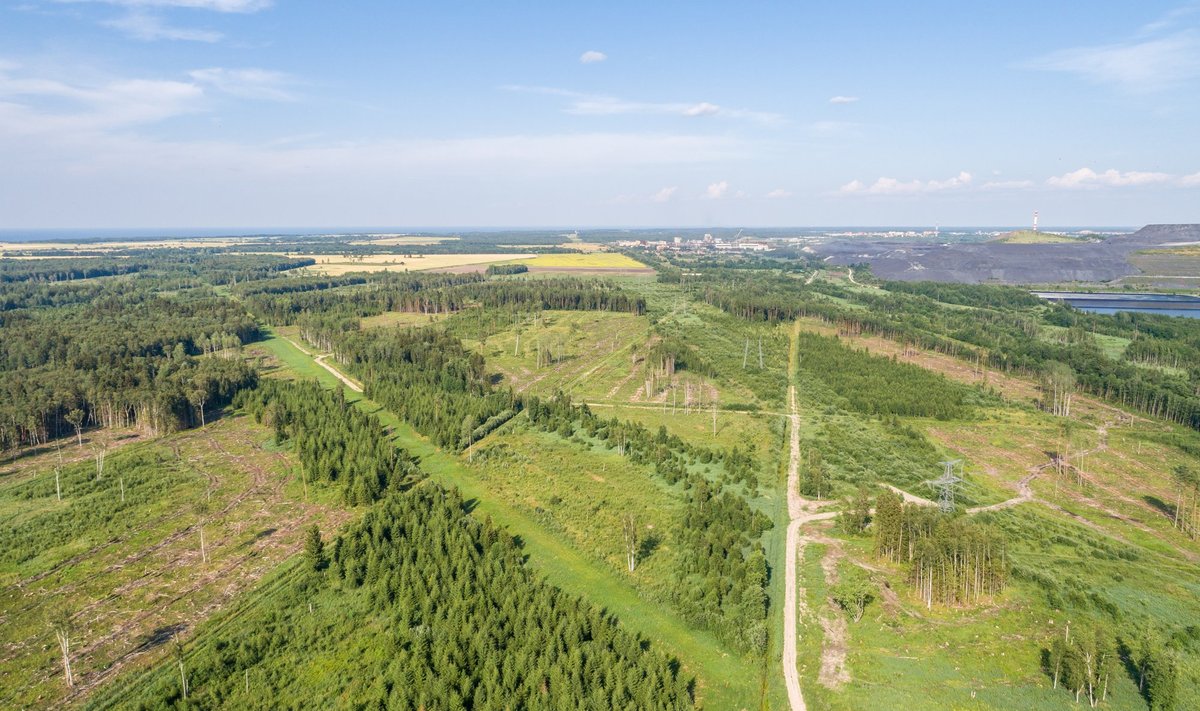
734, 468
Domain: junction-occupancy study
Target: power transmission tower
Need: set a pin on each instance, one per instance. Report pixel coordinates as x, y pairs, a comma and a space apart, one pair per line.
947, 484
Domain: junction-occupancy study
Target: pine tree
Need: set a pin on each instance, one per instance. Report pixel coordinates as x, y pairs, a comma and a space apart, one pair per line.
314, 548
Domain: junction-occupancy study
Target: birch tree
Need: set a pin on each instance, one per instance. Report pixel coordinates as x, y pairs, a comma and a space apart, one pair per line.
630, 530
62, 632
75, 418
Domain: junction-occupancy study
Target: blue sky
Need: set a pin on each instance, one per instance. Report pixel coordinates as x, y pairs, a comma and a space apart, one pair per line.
212, 113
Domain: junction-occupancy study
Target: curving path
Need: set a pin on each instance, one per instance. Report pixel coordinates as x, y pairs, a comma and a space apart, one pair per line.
320, 360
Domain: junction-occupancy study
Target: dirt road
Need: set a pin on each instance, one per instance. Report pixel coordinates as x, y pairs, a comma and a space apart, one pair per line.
320, 360
792, 598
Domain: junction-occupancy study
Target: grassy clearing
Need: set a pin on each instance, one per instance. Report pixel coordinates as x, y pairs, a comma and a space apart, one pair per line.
130, 574
581, 493
400, 319
592, 352
1031, 237
1112, 346
726, 680
903, 655
600, 357
1096, 543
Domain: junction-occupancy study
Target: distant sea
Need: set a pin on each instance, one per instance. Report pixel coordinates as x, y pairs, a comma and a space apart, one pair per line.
75, 234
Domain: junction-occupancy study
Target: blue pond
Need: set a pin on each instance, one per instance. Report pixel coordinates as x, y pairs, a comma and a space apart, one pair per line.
1160, 304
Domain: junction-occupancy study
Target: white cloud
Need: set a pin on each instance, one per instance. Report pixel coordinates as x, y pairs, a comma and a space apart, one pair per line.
843, 99
239, 6
1008, 185
778, 193
246, 83
1169, 20
139, 25
95, 124
701, 109
664, 195
585, 104
592, 56
1088, 178
892, 186
1190, 181
1145, 66
717, 190
33, 105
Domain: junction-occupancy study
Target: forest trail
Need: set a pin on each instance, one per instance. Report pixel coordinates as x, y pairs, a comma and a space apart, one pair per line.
320, 360
909, 498
621, 404
792, 598
801, 511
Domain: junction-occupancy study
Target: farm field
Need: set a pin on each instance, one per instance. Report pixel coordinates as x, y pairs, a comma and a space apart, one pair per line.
179, 244
402, 240
339, 264
120, 555
589, 260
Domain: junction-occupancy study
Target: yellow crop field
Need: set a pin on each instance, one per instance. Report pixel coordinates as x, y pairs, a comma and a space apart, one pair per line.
591, 260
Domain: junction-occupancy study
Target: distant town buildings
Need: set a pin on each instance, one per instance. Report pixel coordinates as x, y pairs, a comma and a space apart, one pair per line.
707, 244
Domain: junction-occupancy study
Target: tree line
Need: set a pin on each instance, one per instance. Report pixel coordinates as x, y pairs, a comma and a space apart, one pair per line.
880, 386
337, 443
127, 357
1002, 328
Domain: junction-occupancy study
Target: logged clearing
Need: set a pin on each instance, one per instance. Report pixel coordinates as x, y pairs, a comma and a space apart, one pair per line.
120, 555
1088, 515
338, 264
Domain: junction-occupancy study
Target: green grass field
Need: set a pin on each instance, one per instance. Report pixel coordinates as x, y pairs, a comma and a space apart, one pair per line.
401, 319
